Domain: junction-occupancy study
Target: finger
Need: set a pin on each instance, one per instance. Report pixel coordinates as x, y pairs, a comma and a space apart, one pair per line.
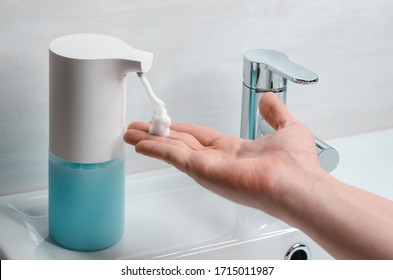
138, 131
274, 111
203, 134
179, 139
133, 136
144, 126
168, 152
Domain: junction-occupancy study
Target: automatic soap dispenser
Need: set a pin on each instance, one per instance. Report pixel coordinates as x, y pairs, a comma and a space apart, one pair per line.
86, 148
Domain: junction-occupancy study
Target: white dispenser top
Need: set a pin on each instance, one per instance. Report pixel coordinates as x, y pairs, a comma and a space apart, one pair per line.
89, 46
87, 95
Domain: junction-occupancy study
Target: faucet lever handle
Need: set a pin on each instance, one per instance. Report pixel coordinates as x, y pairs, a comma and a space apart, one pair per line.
269, 70
293, 72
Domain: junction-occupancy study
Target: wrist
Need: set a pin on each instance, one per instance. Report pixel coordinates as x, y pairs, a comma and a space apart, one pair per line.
296, 196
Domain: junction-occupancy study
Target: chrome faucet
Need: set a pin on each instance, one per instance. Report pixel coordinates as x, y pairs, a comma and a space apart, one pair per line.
268, 71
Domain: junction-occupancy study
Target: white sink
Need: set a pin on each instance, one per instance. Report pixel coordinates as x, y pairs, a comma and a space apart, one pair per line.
168, 216
367, 161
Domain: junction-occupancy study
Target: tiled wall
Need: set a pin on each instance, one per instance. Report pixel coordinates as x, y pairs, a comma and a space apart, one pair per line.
198, 48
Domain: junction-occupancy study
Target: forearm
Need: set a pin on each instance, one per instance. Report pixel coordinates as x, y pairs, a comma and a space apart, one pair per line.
348, 222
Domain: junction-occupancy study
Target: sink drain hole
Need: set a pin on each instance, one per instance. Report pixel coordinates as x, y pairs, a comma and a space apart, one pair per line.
298, 252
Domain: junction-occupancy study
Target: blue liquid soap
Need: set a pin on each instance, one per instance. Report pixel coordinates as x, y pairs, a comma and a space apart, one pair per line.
86, 203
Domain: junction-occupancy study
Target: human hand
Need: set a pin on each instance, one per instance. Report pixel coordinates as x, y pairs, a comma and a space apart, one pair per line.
279, 174
256, 173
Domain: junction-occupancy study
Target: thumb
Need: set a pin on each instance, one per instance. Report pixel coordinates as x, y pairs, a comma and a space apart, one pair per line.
274, 111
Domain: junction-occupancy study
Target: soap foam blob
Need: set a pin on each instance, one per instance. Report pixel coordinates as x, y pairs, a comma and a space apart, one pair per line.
160, 121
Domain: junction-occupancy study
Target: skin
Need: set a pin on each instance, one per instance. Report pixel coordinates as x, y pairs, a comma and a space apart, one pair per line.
280, 175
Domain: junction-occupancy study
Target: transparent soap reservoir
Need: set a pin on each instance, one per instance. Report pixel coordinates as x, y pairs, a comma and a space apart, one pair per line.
86, 203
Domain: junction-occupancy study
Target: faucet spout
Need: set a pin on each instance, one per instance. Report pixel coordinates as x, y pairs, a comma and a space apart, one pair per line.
268, 71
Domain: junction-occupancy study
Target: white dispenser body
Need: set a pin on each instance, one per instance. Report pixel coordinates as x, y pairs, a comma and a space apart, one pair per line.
87, 95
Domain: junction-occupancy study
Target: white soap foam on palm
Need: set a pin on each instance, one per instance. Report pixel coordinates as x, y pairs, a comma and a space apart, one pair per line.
160, 121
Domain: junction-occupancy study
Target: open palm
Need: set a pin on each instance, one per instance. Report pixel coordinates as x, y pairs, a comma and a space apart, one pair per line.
245, 171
